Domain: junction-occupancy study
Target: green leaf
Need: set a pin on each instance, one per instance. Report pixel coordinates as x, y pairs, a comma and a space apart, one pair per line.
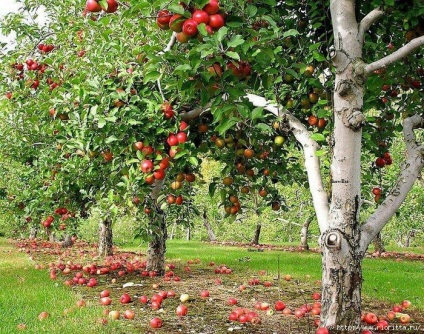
291, 32
193, 161
264, 127
318, 137
318, 56
257, 113
212, 188
111, 139
202, 29
235, 41
221, 34
151, 76
233, 55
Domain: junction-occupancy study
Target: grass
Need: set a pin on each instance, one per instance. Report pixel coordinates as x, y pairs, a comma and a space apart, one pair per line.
384, 279
26, 292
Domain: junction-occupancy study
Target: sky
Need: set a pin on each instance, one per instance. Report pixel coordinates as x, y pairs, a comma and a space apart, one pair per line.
8, 6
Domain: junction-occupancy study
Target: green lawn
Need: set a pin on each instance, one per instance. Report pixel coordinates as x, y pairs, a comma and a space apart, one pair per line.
25, 292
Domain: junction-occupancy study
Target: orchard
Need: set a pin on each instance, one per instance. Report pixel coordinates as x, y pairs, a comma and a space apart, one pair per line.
112, 107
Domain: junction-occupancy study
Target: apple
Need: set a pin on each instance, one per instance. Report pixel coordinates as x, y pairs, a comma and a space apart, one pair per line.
184, 297
322, 330
404, 318
316, 296
181, 137
182, 310
129, 314
380, 162
144, 299
212, 7
163, 18
231, 301
397, 308
172, 140
93, 6
105, 301
125, 298
43, 315
156, 322
216, 21
279, 305
204, 294
9, 95
287, 311
381, 325
81, 303
146, 166
391, 315
233, 316
279, 140
406, 304
112, 6
370, 318
176, 22
200, 16
114, 315
105, 293
159, 174
190, 27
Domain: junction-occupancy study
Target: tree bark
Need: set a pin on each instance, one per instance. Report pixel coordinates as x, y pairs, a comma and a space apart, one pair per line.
341, 284
157, 225
304, 234
105, 238
33, 232
174, 226
411, 235
255, 239
208, 227
188, 234
157, 245
378, 244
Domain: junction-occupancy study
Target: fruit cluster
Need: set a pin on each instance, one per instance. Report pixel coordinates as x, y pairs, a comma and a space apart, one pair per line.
384, 160
187, 27
93, 6
45, 48
244, 315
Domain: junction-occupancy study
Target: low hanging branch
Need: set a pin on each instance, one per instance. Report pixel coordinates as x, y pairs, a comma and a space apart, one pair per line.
395, 56
409, 173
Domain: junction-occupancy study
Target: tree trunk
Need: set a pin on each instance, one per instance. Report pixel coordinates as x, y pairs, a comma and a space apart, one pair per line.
378, 244
411, 235
255, 239
105, 238
174, 227
188, 235
157, 245
208, 227
340, 239
33, 232
304, 234
67, 242
341, 284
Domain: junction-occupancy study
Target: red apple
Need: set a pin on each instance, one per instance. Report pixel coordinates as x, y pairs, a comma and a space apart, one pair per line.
216, 21
232, 301
105, 301
125, 298
181, 137
146, 166
190, 27
370, 318
182, 310
129, 314
406, 304
322, 330
156, 322
144, 299
176, 22
212, 7
279, 305
404, 318
93, 6
105, 293
204, 294
112, 6
200, 16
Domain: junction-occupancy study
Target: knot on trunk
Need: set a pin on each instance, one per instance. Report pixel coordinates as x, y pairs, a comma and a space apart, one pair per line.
354, 119
344, 88
358, 71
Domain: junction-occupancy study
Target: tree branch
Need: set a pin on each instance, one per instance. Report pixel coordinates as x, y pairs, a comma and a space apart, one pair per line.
312, 163
368, 21
167, 48
410, 171
395, 56
192, 114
